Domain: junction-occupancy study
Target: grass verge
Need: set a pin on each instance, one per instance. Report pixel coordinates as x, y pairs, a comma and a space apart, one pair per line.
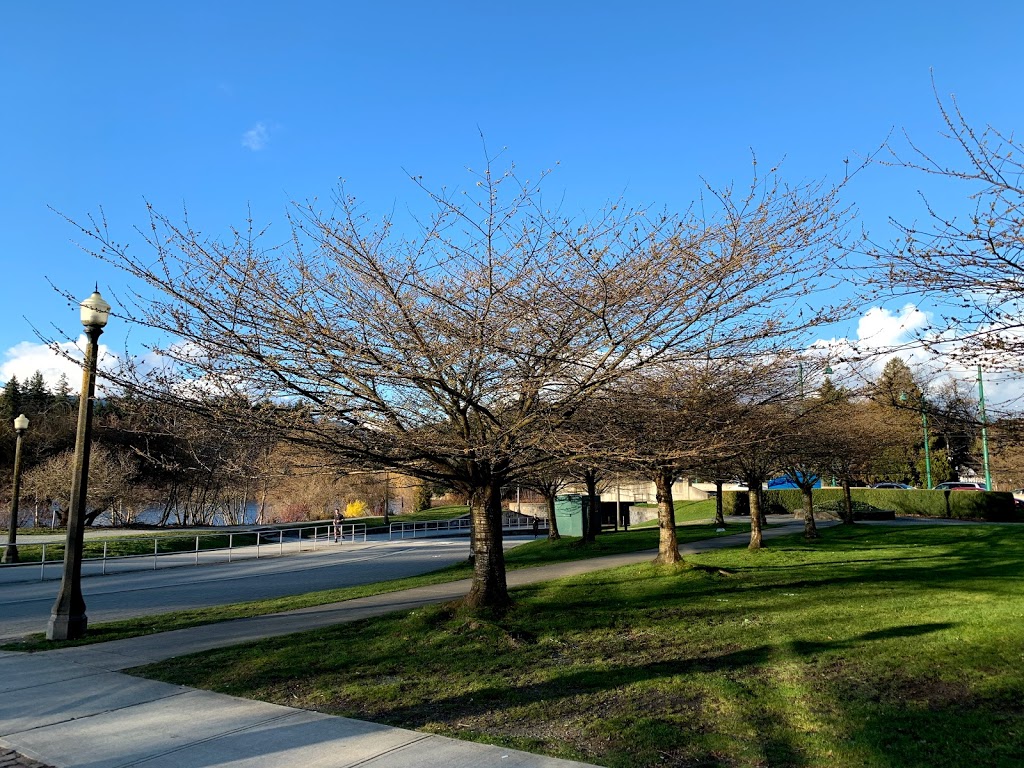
539, 552
686, 512
449, 512
869, 647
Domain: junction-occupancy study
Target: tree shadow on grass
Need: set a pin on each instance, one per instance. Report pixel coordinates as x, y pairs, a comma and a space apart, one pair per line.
585, 690
576, 682
594, 602
806, 648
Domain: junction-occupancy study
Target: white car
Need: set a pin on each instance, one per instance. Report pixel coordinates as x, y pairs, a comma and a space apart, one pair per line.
956, 485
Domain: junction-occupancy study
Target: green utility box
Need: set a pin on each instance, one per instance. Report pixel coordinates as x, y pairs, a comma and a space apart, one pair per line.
571, 510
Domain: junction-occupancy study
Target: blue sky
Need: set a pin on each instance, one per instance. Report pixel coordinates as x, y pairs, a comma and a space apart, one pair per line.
221, 106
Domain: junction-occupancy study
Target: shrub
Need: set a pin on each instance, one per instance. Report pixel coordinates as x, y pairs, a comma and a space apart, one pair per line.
289, 513
355, 508
424, 497
861, 510
960, 505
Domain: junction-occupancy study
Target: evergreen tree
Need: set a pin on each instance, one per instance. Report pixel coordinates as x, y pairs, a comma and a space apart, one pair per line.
10, 400
35, 396
62, 391
895, 381
829, 393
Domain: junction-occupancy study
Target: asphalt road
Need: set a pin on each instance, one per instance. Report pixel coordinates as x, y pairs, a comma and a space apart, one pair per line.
25, 607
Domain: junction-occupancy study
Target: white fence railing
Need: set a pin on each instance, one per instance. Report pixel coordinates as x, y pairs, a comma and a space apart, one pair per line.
240, 544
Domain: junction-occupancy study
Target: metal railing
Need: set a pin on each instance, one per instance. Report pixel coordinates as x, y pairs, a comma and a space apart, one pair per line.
169, 550
428, 526
513, 521
460, 524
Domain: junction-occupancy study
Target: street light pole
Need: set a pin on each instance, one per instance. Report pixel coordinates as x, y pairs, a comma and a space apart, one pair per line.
924, 423
11, 550
68, 620
984, 429
927, 455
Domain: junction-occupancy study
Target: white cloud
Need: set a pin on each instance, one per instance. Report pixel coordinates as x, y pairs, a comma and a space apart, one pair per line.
256, 138
880, 327
882, 334
24, 359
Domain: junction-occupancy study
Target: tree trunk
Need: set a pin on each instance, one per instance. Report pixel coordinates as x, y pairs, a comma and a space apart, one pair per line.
847, 502
719, 513
263, 501
810, 529
754, 498
668, 544
472, 528
593, 526
489, 588
552, 521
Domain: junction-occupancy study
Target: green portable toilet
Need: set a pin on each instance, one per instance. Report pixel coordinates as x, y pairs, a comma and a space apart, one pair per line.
571, 513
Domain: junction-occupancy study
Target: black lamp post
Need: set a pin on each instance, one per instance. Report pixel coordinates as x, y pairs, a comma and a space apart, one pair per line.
67, 619
11, 550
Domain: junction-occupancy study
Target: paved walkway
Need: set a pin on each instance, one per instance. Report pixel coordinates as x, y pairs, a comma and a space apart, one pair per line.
75, 706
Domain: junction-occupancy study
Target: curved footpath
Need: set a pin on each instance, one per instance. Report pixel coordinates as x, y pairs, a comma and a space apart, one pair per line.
75, 707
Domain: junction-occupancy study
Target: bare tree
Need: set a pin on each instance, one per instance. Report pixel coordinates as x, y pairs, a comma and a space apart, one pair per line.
860, 431
450, 355
1006, 438
762, 434
548, 480
970, 262
657, 424
112, 484
810, 450
595, 480
676, 419
801, 468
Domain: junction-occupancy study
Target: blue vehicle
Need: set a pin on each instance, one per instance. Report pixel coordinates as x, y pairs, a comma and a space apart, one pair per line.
787, 482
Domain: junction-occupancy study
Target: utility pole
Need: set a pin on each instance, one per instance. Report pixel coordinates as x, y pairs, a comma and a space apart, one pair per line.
984, 429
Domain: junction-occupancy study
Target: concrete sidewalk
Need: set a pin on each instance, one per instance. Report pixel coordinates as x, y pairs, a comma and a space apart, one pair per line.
74, 706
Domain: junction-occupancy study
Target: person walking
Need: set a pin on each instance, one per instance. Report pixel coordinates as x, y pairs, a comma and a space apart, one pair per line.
337, 524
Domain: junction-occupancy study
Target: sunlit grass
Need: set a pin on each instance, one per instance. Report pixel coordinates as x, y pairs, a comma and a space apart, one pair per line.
534, 553
687, 511
870, 647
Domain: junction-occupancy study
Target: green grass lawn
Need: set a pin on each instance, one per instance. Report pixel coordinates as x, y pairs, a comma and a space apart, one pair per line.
449, 512
686, 512
870, 647
534, 553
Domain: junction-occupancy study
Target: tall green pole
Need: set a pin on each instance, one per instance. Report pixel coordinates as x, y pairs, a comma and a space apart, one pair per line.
984, 429
927, 454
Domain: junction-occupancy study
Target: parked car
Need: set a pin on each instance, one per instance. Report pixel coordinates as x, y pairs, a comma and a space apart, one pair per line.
955, 485
894, 486
785, 482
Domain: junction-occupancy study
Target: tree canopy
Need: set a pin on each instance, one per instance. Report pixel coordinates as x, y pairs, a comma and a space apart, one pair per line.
452, 353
